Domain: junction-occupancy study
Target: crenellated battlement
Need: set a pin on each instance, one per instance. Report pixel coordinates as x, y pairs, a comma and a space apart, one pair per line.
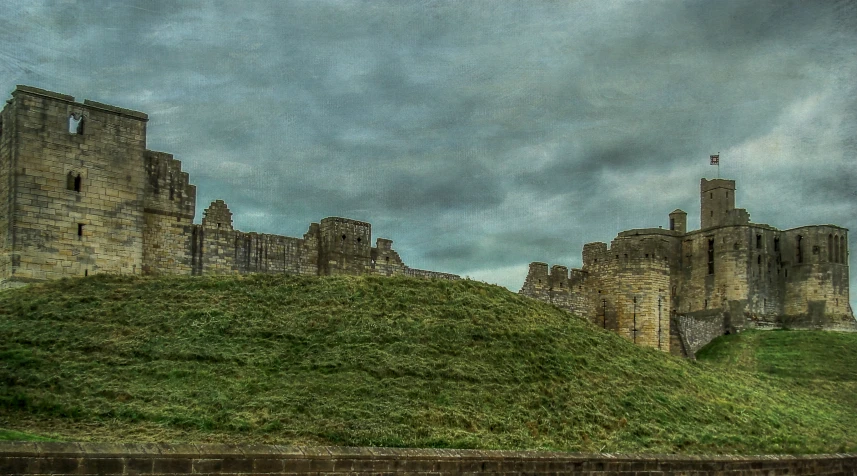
676, 289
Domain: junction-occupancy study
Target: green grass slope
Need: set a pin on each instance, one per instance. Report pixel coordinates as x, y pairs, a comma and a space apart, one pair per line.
819, 363
372, 361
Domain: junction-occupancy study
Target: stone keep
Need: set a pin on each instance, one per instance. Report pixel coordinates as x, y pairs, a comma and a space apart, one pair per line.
676, 290
80, 194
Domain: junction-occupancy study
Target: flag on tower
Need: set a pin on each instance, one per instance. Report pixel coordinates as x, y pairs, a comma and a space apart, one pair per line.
715, 159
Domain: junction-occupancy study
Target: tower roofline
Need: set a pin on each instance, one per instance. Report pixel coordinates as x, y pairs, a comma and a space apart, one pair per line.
711, 184
86, 102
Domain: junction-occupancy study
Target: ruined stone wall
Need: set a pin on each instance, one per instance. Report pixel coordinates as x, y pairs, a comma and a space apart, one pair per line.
80, 194
384, 260
697, 329
77, 195
217, 248
169, 208
569, 291
426, 274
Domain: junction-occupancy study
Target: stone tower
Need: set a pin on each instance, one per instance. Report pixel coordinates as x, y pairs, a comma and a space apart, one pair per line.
717, 199
72, 182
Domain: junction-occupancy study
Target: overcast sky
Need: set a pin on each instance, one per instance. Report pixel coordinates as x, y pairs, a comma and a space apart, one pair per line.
478, 135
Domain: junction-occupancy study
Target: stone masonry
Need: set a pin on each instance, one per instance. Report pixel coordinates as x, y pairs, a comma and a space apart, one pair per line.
80, 194
676, 290
61, 459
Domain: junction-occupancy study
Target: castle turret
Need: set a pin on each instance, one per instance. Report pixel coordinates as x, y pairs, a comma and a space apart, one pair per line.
717, 199
678, 221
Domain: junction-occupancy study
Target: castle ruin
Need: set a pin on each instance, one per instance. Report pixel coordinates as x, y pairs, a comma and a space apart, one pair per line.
81, 194
676, 290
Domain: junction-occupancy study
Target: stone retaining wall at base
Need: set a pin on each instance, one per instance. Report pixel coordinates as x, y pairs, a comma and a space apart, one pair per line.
27, 458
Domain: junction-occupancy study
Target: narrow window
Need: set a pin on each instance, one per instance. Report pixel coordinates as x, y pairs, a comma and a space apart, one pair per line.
75, 124
80, 231
843, 252
672, 223
798, 253
830, 248
706, 304
758, 241
711, 195
711, 256
343, 237
77, 183
776, 244
86, 272
836, 249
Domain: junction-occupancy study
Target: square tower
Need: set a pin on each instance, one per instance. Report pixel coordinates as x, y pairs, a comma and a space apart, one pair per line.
717, 198
345, 247
71, 187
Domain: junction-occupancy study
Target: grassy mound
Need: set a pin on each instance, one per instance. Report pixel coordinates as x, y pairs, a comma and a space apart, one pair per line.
372, 361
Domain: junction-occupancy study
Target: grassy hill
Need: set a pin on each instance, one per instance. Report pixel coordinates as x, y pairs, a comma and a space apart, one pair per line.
375, 361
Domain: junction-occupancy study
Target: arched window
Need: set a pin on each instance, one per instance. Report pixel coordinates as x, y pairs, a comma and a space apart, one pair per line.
830, 248
843, 251
75, 124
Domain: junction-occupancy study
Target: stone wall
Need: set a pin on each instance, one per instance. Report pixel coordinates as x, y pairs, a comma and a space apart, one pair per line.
80, 194
751, 274
20, 459
699, 328
8, 166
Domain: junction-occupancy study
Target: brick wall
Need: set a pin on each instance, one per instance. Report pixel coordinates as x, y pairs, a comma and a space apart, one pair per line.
164, 459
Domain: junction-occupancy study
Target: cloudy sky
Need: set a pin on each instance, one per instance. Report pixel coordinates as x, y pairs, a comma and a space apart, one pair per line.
478, 135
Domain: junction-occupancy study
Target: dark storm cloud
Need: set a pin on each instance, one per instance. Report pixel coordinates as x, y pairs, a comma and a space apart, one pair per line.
479, 135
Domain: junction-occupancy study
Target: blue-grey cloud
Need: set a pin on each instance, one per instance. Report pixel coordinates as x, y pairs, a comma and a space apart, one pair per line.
479, 135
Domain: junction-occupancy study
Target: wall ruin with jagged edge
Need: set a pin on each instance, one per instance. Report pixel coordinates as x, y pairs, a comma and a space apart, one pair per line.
80, 194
